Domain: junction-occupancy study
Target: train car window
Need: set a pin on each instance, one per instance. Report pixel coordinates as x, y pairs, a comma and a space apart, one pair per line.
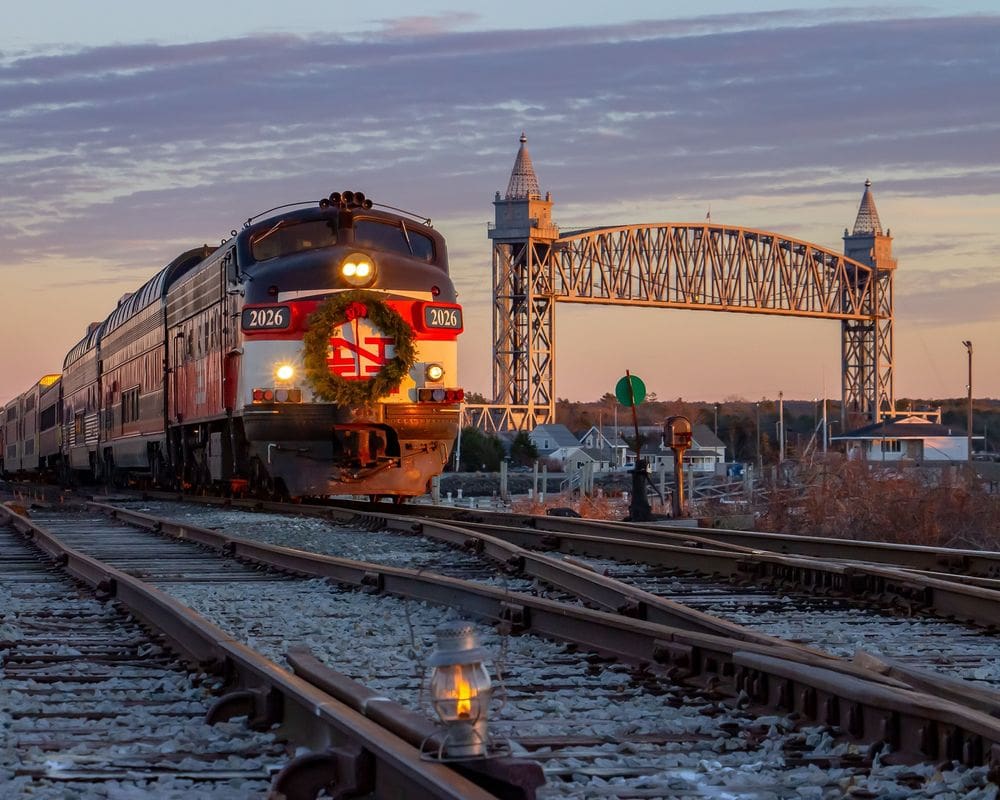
47, 419
285, 238
394, 238
130, 405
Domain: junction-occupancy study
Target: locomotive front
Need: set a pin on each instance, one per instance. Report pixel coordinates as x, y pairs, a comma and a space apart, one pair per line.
347, 373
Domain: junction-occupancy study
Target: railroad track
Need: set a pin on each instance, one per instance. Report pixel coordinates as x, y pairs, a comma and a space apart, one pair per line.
841, 608
90, 699
646, 654
99, 708
941, 561
833, 624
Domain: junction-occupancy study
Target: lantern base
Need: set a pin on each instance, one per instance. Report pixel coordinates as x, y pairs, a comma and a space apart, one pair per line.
462, 743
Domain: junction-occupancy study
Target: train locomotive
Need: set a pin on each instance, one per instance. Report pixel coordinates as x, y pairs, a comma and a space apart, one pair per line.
313, 353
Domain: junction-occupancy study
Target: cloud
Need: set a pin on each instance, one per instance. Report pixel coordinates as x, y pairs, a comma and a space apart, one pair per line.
407, 27
135, 152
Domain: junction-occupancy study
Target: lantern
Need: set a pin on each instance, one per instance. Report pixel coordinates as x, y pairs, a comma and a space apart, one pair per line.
460, 690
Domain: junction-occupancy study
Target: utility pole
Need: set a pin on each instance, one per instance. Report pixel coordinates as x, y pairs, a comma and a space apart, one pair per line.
781, 427
760, 461
826, 429
968, 346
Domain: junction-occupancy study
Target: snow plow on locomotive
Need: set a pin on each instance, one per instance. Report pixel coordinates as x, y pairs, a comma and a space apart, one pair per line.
313, 353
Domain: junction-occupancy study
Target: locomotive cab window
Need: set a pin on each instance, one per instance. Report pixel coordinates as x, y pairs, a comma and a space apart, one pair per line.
394, 238
284, 238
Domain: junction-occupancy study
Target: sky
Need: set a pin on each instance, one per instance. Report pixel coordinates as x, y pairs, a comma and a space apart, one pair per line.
130, 132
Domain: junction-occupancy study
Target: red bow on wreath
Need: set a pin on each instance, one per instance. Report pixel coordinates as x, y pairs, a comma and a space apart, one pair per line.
355, 310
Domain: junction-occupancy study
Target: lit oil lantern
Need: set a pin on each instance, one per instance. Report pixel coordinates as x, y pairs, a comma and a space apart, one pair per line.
460, 690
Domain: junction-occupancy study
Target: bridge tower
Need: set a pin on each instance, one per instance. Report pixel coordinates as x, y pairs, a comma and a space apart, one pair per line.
523, 299
866, 345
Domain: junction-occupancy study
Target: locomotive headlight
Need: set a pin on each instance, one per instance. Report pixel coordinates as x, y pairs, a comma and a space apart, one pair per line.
358, 270
434, 372
284, 372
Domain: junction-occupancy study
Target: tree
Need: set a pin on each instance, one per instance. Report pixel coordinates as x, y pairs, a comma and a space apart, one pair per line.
480, 451
523, 450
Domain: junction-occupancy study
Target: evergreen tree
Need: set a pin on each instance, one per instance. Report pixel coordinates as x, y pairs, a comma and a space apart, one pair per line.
480, 451
523, 450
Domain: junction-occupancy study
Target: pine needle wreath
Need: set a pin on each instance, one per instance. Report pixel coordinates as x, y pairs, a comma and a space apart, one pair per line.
334, 312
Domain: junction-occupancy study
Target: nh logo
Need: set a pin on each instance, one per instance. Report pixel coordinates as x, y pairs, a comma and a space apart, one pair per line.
356, 361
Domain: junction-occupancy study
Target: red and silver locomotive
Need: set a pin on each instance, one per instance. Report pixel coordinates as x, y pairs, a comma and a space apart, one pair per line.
312, 353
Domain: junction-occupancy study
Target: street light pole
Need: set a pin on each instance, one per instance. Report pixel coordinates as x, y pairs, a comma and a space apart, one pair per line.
968, 347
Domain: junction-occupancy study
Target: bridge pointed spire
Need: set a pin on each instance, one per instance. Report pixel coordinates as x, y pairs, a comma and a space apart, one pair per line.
523, 184
867, 221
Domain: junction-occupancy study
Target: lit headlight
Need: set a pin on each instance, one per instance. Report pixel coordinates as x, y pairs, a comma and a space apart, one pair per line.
358, 270
434, 372
285, 372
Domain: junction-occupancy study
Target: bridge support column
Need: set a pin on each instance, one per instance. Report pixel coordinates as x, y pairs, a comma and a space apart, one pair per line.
524, 332
866, 345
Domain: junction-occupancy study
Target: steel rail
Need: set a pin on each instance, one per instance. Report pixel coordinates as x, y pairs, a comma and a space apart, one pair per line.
578, 580
352, 752
931, 593
964, 563
862, 580
865, 703
979, 563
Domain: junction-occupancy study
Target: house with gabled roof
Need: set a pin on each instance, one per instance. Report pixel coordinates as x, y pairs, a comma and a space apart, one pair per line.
907, 438
608, 441
553, 441
707, 451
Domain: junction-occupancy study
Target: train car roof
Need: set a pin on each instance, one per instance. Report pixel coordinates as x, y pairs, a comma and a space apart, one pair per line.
87, 343
155, 288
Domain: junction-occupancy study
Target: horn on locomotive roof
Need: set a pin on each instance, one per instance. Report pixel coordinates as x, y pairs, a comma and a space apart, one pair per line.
346, 199
335, 199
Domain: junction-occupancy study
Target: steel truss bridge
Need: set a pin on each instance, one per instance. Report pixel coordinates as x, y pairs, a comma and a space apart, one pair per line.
676, 265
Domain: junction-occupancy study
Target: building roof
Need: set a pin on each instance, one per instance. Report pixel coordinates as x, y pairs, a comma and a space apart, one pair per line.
558, 435
902, 428
867, 221
705, 437
523, 184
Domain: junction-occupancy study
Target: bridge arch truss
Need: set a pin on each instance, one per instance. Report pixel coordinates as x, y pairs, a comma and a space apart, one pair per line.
706, 267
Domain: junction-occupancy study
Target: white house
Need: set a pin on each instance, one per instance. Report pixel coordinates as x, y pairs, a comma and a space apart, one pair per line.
579, 457
910, 438
607, 440
707, 451
555, 442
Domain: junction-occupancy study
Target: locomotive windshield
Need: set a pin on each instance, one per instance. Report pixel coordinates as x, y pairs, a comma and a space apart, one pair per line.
393, 237
286, 237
